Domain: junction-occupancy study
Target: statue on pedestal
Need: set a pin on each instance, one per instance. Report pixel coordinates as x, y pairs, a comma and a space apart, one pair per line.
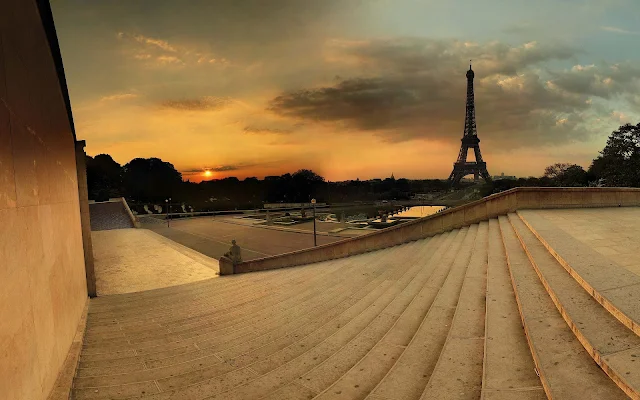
234, 253
268, 218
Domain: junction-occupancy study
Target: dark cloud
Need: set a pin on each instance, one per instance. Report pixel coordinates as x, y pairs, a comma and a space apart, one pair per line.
223, 168
603, 81
198, 104
415, 88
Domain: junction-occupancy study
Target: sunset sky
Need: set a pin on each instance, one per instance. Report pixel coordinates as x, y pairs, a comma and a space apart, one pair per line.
349, 88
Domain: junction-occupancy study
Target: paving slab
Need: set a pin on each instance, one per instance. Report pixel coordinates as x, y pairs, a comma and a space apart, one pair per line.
614, 286
133, 260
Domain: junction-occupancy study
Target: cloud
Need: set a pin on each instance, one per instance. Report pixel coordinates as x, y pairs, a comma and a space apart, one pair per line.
414, 88
148, 41
169, 60
158, 52
223, 168
263, 130
619, 30
198, 104
119, 96
162, 44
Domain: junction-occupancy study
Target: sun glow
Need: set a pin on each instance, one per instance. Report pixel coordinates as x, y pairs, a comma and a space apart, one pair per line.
207, 173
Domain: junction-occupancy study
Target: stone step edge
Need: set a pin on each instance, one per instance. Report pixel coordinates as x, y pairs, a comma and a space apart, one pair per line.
465, 282
426, 315
604, 302
597, 357
430, 261
534, 353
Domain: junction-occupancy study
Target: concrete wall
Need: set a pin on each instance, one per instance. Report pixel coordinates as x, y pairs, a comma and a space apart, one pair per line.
85, 218
481, 210
42, 276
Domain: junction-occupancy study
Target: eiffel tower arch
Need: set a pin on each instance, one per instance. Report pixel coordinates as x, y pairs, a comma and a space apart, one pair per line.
470, 140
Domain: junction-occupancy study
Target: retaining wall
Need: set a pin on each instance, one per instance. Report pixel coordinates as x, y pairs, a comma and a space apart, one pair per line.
43, 287
481, 210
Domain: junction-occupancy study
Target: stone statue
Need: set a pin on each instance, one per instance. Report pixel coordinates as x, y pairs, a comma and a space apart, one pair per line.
303, 213
234, 253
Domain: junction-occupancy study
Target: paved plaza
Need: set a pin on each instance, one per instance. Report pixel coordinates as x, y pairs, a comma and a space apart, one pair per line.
212, 236
133, 260
614, 234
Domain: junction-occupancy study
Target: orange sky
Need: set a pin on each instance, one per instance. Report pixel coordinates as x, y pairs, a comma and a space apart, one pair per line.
348, 89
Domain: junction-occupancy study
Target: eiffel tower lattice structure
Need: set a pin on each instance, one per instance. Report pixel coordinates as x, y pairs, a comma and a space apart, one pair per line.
470, 140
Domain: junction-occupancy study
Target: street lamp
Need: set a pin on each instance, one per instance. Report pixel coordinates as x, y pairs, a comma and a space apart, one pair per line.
168, 201
313, 201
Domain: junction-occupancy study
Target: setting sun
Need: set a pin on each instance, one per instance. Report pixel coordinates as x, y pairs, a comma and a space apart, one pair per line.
207, 173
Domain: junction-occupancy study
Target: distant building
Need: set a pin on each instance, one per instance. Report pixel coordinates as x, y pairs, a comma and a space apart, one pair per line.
502, 176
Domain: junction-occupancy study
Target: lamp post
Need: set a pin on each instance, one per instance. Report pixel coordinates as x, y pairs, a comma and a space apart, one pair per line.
168, 201
313, 201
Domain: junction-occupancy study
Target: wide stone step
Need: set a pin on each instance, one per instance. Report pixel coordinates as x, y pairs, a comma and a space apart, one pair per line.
616, 288
190, 360
188, 328
509, 370
409, 376
164, 311
463, 351
166, 383
199, 313
344, 379
566, 370
611, 344
355, 338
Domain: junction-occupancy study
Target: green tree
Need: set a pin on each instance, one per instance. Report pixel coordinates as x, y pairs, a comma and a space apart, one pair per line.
104, 177
619, 162
565, 174
151, 179
305, 184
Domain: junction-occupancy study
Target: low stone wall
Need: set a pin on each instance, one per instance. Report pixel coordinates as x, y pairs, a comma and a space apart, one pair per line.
134, 219
481, 210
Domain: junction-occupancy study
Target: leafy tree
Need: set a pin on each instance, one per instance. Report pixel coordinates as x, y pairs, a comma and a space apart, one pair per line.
151, 179
305, 184
104, 177
565, 174
619, 162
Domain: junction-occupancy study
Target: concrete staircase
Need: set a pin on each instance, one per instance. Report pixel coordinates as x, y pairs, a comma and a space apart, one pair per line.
109, 215
438, 318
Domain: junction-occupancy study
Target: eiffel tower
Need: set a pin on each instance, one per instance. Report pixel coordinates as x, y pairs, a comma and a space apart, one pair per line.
470, 140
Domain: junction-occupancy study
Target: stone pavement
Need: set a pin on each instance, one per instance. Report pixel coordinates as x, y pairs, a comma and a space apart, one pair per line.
503, 309
133, 260
612, 232
212, 237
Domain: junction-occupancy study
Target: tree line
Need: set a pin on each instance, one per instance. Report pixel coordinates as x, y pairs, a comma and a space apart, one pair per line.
152, 180
617, 165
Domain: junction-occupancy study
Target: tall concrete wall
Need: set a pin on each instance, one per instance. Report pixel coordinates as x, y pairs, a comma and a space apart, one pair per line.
42, 275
